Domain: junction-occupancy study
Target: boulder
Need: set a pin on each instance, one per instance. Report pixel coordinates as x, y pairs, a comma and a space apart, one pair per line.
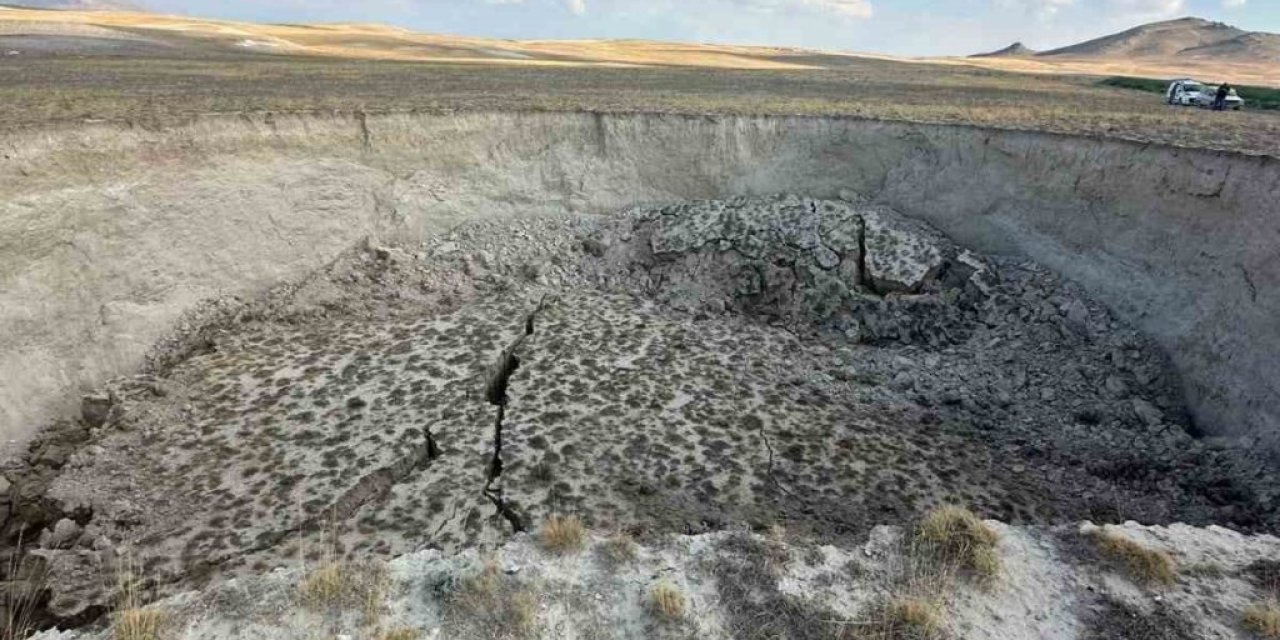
96, 409
64, 534
901, 255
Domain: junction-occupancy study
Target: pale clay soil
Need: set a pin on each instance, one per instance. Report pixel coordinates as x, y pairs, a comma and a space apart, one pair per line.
826, 365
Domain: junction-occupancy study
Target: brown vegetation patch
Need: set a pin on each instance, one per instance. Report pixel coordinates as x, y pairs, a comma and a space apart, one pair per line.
1145, 565
563, 534
491, 605
1263, 618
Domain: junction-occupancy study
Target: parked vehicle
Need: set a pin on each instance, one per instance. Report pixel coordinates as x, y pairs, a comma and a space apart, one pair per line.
1186, 92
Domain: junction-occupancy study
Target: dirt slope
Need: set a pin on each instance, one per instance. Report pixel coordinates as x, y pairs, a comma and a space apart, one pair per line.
1250, 47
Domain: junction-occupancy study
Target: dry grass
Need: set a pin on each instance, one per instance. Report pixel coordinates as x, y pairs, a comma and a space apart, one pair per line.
1148, 566
139, 624
162, 90
666, 601
906, 619
563, 534
131, 621
21, 596
403, 633
491, 605
954, 539
346, 585
619, 549
1263, 619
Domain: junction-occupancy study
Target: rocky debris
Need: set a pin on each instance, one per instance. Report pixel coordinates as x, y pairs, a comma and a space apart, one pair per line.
95, 410
63, 534
901, 255
732, 582
859, 270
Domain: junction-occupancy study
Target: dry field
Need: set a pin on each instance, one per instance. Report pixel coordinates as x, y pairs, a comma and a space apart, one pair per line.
153, 70
155, 90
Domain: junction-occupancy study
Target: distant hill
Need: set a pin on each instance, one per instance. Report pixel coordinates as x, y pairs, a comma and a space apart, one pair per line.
77, 5
1183, 38
1015, 50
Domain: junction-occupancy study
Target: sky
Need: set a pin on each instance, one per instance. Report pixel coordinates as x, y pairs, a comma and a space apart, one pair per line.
902, 27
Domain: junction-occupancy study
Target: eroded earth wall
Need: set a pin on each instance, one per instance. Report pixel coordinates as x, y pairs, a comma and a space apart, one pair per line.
110, 236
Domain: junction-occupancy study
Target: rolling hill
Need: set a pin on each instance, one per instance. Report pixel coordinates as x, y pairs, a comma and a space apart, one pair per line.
77, 5
1015, 50
1182, 38
1184, 47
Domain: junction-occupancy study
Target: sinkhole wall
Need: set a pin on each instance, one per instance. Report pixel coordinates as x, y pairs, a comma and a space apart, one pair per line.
109, 234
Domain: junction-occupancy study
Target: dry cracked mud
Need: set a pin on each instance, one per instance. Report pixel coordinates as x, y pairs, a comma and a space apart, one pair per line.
828, 364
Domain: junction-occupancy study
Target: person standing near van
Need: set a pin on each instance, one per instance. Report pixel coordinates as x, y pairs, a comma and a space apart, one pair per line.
1220, 100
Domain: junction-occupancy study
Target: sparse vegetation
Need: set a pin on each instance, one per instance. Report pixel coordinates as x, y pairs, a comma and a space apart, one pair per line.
666, 601
402, 633
139, 624
746, 571
563, 534
1147, 566
21, 595
131, 620
346, 585
956, 539
905, 619
1265, 574
492, 605
160, 90
619, 549
1263, 619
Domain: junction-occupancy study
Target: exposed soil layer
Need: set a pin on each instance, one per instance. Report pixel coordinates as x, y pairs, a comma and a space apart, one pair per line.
117, 239
830, 364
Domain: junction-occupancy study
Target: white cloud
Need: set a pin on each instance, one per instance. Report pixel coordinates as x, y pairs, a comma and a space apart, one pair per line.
1233, 4
1150, 8
851, 8
1039, 8
848, 8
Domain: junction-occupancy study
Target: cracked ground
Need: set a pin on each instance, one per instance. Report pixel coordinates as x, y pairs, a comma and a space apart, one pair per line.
684, 369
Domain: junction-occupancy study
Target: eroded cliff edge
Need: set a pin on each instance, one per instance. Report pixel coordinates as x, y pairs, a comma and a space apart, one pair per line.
114, 237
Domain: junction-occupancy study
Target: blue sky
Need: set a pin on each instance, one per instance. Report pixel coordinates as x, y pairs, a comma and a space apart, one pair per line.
915, 27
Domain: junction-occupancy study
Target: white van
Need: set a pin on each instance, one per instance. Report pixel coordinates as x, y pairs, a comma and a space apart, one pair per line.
1190, 93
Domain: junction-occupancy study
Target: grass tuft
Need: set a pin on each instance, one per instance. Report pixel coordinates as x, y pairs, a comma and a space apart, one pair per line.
666, 601
1263, 619
346, 585
620, 549
563, 534
22, 595
954, 537
910, 618
402, 633
1148, 566
492, 605
131, 621
139, 624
